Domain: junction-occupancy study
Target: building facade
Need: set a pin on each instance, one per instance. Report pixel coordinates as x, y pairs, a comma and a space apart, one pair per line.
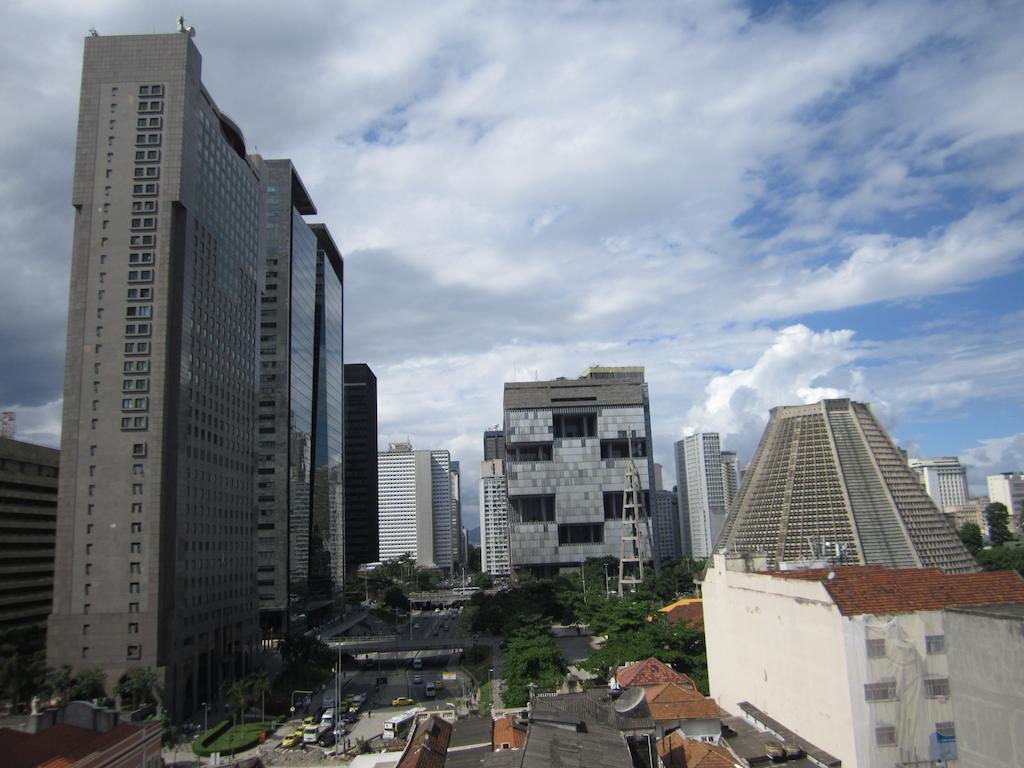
1008, 489
361, 539
300, 411
28, 532
155, 562
455, 483
666, 520
730, 478
567, 444
415, 507
682, 500
494, 551
855, 657
944, 479
494, 443
699, 460
827, 482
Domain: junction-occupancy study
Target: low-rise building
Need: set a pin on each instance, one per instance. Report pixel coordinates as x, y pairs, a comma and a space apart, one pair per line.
853, 656
675, 707
689, 610
677, 751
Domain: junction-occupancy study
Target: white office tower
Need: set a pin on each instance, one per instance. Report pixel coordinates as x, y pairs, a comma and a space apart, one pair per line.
701, 457
1008, 488
944, 478
494, 518
414, 502
730, 478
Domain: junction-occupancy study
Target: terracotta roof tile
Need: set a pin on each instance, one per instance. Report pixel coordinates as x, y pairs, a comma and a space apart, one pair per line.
871, 589
59, 746
690, 613
428, 746
650, 672
676, 751
506, 732
671, 701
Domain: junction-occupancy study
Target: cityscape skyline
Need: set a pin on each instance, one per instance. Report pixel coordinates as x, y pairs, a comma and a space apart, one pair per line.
847, 191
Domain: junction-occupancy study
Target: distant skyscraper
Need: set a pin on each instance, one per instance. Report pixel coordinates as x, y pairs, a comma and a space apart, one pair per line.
682, 501
157, 524
300, 440
566, 452
1008, 489
28, 519
705, 494
827, 478
666, 518
944, 478
494, 443
361, 540
456, 496
414, 499
493, 518
730, 478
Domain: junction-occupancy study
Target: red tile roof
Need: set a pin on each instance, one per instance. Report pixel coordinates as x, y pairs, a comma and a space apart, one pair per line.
871, 589
505, 731
650, 672
688, 613
61, 746
672, 701
676, 751
428, 746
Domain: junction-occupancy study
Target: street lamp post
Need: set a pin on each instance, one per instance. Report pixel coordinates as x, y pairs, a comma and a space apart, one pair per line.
206, 719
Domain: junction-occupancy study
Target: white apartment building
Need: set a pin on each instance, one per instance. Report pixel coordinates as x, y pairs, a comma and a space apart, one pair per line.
415, 507
945, 480
494, 518
1008, 488
853, 657
730, 478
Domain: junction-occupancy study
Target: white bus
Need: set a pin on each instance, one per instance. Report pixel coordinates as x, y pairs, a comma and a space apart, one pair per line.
394, 725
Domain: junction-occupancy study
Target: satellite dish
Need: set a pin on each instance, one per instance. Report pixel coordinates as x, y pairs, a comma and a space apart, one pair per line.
629, 700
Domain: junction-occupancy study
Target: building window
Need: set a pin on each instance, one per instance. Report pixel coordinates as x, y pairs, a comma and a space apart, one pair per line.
133, 587
885, 735
945, 730
935, 644
85, 629
136, 527
133, 628
885, 691
138, 449
876, 648
135, 567
581, 533
134, 652
936, 686
133, 607
135, 548
533, 509
85, 652
574, 425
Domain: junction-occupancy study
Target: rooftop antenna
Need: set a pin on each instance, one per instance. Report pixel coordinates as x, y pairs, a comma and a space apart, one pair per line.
93, 32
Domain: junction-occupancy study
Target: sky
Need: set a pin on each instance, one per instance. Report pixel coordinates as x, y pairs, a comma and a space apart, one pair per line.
762, 203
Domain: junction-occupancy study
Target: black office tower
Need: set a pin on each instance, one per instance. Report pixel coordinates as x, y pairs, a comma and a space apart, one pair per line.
361, 531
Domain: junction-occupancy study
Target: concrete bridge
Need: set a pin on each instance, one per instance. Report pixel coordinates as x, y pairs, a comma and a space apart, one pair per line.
397, 643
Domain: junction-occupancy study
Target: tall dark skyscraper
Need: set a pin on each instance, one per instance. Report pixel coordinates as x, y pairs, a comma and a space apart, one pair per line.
361, 526
155, 562
301, 413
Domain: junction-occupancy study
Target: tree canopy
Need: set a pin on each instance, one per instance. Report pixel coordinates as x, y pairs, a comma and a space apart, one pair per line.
998, 519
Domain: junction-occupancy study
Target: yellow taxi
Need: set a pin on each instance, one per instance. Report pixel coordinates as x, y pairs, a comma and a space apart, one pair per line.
401, 701
292, 740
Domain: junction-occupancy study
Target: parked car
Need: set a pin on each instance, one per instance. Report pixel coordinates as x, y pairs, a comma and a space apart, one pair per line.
292, 740
350, 717
359, 699
401, 701
417, 679
326, 739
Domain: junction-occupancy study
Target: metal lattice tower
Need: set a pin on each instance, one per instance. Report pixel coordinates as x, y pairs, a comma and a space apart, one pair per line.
631, 550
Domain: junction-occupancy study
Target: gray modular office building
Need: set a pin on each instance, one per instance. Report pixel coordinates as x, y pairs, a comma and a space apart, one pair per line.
566, 449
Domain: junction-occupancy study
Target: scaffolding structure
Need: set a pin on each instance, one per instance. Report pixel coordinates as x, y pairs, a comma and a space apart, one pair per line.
634, 526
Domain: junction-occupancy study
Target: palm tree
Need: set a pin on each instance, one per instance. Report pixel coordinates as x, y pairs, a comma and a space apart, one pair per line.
260, 686
238, 694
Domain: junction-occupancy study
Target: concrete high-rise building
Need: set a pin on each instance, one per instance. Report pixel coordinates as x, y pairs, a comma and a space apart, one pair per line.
1008, 489
156, 524
567, 443
666, 520
494, 443
682, 501
730, 478
944, 478
415, 507
300, 410
456, 498
28, 532
826, 480
361, 540
699, 461
494, 518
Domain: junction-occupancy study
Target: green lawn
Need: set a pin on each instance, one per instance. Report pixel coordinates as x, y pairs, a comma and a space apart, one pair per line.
236, 739
485, 698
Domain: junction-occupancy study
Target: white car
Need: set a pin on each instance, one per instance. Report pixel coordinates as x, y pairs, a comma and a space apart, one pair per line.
359, 699
417, 679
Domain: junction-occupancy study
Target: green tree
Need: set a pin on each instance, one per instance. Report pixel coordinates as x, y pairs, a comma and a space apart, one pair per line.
998, 519
136, 686
482, 580
395, 599
531, 658
60, 680
88, 684
23, 664
1005, 558
970, 535
238, 696
259, 685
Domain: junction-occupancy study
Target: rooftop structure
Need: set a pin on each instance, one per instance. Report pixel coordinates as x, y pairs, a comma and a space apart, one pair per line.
678, 751
689, 610
650, 671
827, 484
428, 745
944, 479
